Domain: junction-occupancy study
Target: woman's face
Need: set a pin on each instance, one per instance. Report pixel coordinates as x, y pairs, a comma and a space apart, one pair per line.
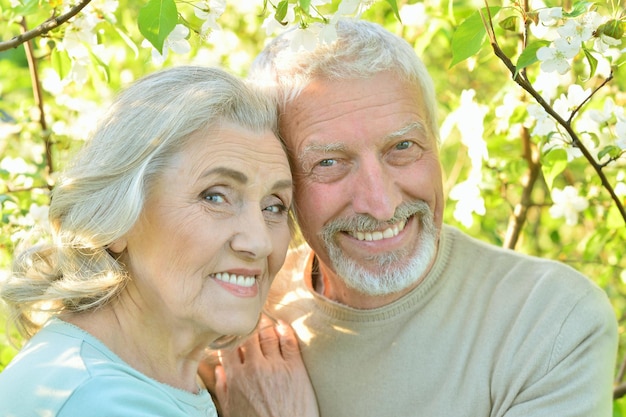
213, 233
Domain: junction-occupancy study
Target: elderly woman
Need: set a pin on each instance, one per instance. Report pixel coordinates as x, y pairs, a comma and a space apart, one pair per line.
167, 230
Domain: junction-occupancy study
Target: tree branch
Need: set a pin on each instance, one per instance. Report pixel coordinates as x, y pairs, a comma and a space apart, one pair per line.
45, 27
531, 154
526, 85
38, 95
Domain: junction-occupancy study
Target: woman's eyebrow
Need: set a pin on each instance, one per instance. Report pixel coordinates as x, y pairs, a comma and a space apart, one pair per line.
237, 176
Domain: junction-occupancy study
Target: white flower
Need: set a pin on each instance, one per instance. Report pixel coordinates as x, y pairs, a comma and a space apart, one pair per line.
604, 42
16, 165
353, 7
604, 115
271, 25
576, 32
556, 58
467, 193
620, 132
550, 15
176, 41
328, 33
304, 38
567, 203
559, 140
564, 105
510, 102
209, 11
545, 124
39, 215
348, 7
414, 15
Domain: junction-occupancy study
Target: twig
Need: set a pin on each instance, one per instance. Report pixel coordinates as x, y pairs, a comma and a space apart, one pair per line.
580, 106
531, 154
45, 27
38, 95
526, 85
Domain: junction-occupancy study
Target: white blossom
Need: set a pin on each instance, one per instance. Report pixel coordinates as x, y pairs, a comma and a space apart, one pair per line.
567, 203
544, 123
176, 41
549, 16
558, 140
566, 104
604, 42
469, 200
209, 11
556, 58
620, 132
604, 115
304, 38
271, 25
414, 15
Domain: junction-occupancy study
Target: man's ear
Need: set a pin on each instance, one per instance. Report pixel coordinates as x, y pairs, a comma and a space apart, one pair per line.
118, 246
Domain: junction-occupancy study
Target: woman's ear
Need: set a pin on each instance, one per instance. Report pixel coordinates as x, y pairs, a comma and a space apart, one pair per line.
118, 246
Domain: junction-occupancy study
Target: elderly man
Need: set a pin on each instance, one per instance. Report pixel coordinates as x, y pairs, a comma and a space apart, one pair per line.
397, 314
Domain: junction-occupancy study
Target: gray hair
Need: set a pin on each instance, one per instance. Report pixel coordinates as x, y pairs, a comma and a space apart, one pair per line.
362, 50
101, 194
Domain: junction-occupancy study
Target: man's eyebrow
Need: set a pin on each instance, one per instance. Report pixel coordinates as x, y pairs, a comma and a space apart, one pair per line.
418, 126
320, 148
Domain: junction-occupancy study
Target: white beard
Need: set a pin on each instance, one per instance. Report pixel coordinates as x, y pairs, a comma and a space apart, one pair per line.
395, 272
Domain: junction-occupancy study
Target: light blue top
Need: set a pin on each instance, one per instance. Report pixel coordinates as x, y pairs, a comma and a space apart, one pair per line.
65, 371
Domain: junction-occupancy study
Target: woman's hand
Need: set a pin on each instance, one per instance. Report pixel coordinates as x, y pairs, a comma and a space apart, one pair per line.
263, 377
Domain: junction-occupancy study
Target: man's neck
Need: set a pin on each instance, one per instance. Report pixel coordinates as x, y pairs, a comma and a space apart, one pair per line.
328, 284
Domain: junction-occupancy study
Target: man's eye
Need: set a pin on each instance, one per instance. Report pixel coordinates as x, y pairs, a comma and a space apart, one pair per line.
405, 144
327, 162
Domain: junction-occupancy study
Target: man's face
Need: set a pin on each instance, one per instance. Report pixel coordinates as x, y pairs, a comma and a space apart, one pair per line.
367, 179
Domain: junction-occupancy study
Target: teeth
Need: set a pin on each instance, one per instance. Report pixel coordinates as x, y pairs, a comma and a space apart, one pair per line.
240, 280
385, 234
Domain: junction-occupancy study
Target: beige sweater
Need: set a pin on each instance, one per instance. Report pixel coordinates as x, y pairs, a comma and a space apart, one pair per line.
488, 333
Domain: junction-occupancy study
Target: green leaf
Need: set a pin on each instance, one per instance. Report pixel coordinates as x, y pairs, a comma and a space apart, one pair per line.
61, 62
25, 8
529, 55
469, 36
593, 62
281, 11
554, 162
579, 8
509, 23
394, 7
614, 218
305, 5
611, 150
156, 21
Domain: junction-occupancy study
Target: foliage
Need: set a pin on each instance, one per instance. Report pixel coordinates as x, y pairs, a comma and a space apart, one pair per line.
530, 94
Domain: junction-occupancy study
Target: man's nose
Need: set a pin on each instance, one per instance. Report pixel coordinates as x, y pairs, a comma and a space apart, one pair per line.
375, 190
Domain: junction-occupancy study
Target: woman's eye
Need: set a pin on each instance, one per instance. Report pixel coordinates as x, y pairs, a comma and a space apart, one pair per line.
276, 208
214, 197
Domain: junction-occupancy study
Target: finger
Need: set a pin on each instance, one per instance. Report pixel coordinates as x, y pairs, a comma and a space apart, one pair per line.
269, 340
221, 389
221, 386
289, 347
206, 371
232, 356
